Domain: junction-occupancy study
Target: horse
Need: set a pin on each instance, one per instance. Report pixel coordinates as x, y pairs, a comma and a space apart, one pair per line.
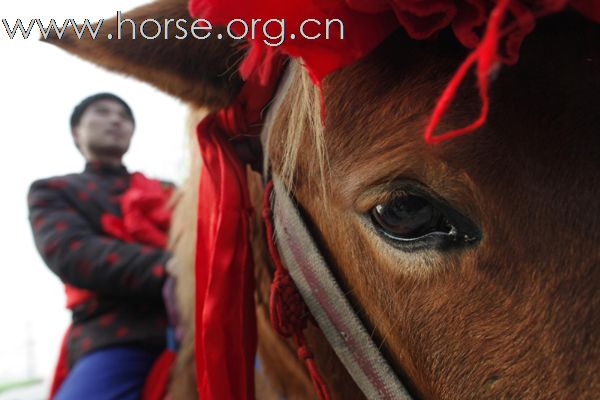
472, 263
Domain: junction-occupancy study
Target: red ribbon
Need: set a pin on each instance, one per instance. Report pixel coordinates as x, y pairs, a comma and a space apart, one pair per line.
225, 313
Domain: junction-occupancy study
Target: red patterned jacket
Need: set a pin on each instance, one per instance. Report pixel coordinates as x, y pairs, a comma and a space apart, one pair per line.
125, 278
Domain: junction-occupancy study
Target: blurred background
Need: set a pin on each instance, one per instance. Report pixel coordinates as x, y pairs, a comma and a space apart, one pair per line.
39, 85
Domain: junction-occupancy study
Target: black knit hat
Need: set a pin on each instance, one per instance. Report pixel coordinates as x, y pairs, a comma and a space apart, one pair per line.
88, 101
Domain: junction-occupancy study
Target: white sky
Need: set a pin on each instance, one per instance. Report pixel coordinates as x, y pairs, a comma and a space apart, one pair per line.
39, 85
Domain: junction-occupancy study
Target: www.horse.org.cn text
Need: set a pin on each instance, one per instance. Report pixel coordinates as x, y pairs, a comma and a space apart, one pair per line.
273, 32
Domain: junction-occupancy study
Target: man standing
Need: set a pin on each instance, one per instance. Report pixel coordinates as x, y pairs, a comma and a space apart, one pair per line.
113, 283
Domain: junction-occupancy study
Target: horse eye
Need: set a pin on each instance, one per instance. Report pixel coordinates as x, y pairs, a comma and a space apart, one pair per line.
412, 221
409, 217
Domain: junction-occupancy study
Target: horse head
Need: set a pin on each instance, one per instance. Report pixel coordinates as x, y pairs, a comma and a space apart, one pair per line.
473, 262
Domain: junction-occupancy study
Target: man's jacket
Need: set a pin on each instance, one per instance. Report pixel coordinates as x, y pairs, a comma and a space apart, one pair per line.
125, 278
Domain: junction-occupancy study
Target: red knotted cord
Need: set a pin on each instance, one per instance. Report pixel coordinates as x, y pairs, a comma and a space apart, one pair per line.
486, 57
288, 312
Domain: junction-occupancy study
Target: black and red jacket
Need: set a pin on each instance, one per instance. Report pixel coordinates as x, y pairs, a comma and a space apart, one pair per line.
126, 278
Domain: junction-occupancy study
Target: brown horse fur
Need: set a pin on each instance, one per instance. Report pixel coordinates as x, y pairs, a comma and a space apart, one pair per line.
196, 71
513, 316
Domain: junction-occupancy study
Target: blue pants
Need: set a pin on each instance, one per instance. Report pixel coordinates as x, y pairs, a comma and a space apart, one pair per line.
114, 373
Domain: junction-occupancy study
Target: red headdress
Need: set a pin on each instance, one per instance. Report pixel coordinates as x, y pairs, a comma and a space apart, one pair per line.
226, 343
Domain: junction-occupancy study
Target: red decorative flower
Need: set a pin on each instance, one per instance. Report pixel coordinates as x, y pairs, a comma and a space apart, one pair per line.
146, 216
367, 23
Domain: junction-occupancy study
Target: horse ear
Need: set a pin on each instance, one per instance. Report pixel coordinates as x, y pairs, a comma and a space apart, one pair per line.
198, 71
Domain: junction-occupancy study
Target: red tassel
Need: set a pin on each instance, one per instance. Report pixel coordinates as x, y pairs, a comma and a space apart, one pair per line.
289, 314
306, 355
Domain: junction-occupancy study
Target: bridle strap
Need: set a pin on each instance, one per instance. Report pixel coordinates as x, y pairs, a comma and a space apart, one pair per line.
328, 304
316, 284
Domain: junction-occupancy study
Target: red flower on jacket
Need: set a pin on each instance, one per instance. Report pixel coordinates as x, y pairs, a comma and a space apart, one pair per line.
146, 215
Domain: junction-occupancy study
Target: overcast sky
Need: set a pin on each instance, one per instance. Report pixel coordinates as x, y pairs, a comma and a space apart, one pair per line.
39, 85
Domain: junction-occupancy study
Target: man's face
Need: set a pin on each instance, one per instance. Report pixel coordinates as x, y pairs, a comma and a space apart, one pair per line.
105, 130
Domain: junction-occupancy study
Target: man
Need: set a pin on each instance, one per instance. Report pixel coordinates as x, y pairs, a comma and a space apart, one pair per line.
113, 286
